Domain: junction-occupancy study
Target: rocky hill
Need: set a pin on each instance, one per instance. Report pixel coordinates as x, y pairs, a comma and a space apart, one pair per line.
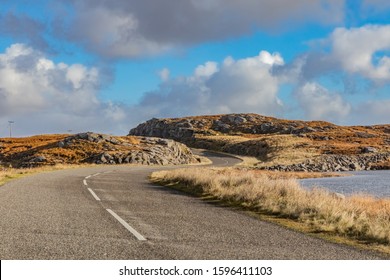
280, 144
92, 148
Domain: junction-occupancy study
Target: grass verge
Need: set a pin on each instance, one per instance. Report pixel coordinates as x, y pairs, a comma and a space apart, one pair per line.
359, 220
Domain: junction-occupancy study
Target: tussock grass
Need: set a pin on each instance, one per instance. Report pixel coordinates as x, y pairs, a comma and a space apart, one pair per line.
358, 217
260, 150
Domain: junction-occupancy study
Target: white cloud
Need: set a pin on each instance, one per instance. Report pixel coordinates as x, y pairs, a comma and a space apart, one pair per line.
80, 76
44, 96
319, 103
164, 74
245, 85
206, 70
357, 49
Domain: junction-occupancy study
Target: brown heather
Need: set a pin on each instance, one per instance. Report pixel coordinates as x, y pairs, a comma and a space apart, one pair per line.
358, 217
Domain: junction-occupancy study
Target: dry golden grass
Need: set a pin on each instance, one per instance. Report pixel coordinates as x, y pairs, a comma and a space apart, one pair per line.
260, 150
288, 149
13, 151
357, 217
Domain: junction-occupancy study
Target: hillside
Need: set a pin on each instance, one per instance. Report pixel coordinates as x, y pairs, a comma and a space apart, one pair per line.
92, 148
278, 144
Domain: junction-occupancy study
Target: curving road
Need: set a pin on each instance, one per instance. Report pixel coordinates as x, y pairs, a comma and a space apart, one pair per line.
113, 212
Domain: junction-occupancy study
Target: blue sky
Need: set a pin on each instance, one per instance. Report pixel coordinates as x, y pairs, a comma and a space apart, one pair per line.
94, 65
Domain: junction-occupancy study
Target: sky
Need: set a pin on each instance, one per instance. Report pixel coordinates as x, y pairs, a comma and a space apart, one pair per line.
106, 66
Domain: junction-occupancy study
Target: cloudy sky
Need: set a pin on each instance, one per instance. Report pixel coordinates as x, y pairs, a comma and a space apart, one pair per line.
105, 66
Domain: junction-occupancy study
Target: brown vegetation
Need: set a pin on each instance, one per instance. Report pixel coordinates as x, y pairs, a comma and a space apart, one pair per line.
86, 148
15, 150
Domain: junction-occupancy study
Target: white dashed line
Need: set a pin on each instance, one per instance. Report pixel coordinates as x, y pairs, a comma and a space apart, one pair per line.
94, 194
127, 226
119, 219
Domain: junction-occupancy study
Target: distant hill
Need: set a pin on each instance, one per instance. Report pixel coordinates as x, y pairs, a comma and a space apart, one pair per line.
92, 148
280, 144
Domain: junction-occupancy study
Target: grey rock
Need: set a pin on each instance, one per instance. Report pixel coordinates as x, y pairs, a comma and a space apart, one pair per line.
367, 150
365, 135
221, 126
234, 119
38, 159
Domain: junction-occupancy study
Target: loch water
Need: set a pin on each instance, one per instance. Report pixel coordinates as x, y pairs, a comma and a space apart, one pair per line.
375, 183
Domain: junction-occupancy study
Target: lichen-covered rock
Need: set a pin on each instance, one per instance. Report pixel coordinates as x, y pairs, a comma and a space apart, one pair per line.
148, 150
185, 129
332, 163
98, 148
154, 151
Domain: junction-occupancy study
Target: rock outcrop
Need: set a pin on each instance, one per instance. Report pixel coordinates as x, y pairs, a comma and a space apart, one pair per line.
164, 129
155, 151
103, 149
185, 128
290, 145
332, 163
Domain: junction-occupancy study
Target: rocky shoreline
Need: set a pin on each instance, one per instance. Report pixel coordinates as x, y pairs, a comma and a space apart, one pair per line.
336, 163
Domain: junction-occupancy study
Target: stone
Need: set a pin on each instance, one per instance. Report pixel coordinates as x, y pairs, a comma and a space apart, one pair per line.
364, 135
266, 127
235, 119
38, 159
338, 196
367, 150
221, 126
103, 159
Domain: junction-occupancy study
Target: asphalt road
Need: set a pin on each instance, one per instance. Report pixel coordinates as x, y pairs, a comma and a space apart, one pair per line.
113, 212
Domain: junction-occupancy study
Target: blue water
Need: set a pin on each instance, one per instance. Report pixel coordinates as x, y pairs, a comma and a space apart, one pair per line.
376, 183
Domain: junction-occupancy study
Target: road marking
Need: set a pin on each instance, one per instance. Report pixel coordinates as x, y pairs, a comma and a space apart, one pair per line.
95, 174
127, 226
85, 182
94, 194
88, 177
